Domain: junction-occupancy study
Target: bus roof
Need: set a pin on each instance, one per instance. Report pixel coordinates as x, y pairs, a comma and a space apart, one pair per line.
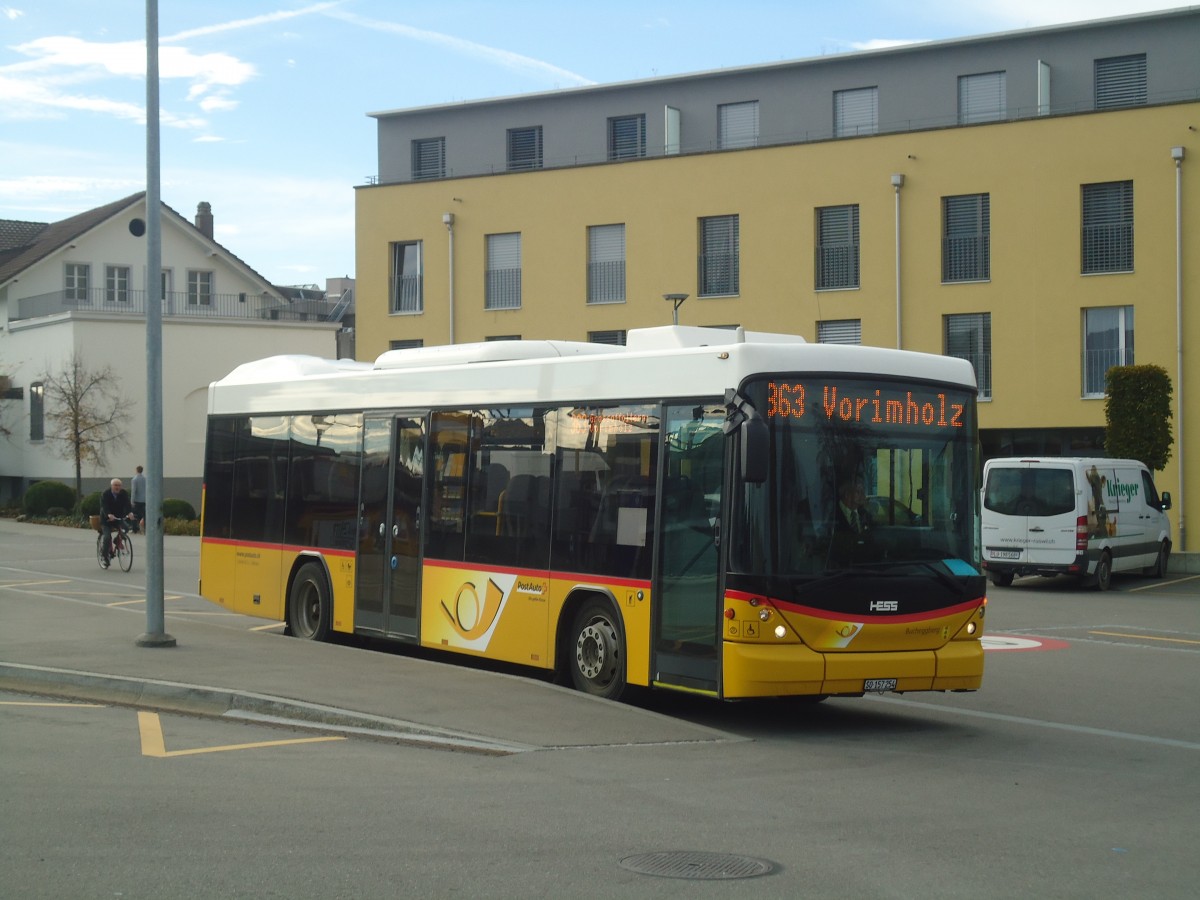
664, 362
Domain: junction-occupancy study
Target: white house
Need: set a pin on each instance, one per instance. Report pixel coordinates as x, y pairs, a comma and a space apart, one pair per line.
80, 285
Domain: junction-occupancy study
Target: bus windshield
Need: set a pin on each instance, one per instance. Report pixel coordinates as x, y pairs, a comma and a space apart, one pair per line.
865, 474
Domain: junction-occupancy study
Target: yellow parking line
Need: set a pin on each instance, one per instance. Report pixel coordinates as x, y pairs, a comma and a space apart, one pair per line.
33, 583
1144, 637
154, 745
268, 627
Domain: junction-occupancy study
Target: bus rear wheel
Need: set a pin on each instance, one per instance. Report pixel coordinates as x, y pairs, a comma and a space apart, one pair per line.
597, 651
309, 606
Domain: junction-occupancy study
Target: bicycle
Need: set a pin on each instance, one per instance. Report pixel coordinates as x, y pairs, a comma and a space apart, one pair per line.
122, 547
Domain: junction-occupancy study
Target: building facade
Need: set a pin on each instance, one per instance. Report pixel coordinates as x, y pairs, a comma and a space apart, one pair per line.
1024, 200
77, 288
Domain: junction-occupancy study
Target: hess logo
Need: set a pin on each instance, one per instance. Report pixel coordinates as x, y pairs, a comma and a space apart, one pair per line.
885, 605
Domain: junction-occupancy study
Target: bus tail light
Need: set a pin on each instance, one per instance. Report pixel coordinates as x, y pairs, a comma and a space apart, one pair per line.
1081, 534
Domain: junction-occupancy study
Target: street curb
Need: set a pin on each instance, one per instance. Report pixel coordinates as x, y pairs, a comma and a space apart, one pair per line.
167, 696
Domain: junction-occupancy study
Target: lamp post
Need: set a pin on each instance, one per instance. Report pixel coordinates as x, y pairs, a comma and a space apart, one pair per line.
676, 299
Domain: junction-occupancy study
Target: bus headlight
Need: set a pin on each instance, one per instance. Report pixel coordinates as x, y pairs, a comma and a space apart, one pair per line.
971, 628
780, 631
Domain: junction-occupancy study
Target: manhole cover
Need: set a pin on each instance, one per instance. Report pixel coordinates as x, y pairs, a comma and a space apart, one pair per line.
702, 866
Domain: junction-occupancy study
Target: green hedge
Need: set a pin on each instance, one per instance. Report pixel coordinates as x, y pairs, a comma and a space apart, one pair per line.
47, 495
178, 509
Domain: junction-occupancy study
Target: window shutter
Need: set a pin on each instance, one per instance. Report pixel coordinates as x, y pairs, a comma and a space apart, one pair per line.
1108, 227
856, 112
627, 137
719, 249
969, 337
429, 158
525, 148
606, 263
840, 331
1121, 81
837, 248
737, 125
982, 98
503, 271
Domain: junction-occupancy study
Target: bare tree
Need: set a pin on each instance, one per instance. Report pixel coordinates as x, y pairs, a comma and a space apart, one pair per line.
85, 415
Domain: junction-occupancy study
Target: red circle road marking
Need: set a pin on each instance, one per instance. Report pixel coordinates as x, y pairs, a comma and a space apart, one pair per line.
1011, 642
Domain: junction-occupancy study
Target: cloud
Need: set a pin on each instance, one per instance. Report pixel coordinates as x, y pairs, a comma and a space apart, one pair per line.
505, 58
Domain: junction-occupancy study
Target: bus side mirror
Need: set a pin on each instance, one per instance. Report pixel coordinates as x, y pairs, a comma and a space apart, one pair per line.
756, 439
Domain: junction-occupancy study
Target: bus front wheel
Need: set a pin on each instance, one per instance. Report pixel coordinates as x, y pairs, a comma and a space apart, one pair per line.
309, 606
597, 651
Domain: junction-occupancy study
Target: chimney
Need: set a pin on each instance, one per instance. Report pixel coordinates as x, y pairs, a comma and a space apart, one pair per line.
204, 219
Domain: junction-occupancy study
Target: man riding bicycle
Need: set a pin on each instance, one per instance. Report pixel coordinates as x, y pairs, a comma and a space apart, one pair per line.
115, 507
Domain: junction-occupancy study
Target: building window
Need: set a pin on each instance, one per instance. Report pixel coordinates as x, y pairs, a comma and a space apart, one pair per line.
75, 281
116, 284
1107, 242
856, 112
1107, 342
503, 286
613, 338
840, 331
525, 148
1121, 81
969, 337
606, 264
37, 411
982, 98
409, 344
408, 278
737, 125
627, 137
836, 265
429, 158
200, 288
966, 238
720, 247
502, 337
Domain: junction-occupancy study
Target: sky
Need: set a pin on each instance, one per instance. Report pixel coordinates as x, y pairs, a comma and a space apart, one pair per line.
264, 106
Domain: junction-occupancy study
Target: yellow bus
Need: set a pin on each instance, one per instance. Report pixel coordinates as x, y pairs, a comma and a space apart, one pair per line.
670, 513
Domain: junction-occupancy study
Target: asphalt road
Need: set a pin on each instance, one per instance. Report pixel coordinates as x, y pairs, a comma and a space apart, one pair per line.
1075, 772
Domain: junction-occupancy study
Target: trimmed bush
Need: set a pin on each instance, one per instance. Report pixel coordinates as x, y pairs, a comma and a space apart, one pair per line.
44, 495
178, 509
91, 504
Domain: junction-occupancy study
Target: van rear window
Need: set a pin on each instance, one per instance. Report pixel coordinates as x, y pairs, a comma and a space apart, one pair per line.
1029, 492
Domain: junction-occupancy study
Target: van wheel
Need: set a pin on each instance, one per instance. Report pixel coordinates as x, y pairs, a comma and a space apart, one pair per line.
1159, 569
1002, 579
1104, 572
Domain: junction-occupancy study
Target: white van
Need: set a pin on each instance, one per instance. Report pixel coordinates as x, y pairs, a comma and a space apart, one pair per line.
1072, 516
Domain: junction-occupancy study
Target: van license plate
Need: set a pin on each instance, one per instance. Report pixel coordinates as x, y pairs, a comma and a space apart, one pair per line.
1005, 554
879, 685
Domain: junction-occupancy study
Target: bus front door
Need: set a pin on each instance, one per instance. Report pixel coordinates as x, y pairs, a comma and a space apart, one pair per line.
688, 588
389, 544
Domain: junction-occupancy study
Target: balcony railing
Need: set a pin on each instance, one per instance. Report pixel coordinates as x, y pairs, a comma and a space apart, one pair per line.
178, 304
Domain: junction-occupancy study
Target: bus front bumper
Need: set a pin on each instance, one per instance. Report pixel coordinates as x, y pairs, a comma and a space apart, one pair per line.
788, 670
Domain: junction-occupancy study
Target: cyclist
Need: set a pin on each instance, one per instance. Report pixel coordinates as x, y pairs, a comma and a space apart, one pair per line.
114, 507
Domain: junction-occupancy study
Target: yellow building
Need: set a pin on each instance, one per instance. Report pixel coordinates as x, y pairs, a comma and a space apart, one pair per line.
1011, 198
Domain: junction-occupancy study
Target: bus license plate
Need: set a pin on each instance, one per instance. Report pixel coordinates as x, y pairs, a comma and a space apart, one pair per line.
879, 685
1005, 554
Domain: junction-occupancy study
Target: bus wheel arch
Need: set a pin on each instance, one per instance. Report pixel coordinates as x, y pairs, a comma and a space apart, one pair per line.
591, 645
309, 613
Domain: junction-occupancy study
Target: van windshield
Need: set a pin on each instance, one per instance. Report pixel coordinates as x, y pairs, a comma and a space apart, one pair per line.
1029, 491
